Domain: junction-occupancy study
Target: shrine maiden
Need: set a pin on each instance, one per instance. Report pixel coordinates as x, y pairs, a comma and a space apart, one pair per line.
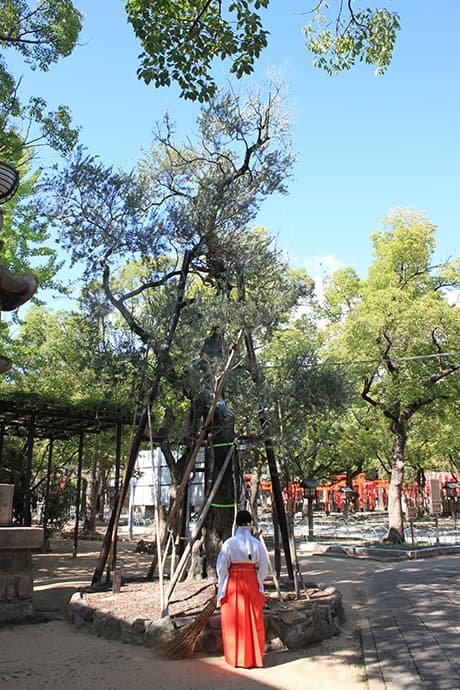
242, 566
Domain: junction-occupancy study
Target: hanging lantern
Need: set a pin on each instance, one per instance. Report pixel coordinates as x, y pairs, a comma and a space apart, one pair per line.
9, 181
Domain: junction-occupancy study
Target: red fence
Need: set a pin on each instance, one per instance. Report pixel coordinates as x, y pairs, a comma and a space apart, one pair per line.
369, 494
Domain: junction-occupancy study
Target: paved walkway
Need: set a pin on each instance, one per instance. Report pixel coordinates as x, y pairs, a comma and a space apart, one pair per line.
413, 639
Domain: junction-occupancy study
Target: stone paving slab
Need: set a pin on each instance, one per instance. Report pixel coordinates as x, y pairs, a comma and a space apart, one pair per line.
411, 642
374, 672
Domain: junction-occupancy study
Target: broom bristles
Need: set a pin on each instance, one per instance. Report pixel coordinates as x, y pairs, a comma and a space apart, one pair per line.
185, 640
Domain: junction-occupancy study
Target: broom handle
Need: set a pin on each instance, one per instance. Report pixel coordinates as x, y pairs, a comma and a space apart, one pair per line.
185, 556
272, 572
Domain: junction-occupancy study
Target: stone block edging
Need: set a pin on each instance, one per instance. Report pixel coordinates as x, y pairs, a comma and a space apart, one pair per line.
294, 625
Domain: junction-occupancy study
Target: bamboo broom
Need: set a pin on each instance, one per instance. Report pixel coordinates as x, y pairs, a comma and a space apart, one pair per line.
185, 640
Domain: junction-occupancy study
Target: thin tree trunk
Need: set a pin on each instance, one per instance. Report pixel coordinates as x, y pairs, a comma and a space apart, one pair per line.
90, 500
78, 497
101, 493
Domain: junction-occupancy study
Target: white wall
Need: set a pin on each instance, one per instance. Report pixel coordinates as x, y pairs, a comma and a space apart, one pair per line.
143, 483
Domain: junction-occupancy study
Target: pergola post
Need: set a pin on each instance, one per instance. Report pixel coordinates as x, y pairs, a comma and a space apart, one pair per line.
77, 505
27, 514
2, 436
47, 489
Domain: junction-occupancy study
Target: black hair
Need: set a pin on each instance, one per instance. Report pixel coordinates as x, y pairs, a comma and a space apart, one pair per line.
243, 517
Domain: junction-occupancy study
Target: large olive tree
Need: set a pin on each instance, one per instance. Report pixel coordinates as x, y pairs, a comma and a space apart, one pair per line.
187, 202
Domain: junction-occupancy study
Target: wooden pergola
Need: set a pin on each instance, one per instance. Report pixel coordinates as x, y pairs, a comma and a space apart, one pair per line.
35, 417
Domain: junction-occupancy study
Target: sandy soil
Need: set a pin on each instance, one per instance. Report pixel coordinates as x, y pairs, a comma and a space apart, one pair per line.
52, 655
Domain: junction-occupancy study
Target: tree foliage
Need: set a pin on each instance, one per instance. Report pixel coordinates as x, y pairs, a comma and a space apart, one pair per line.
24, 236
68, 367
69, 359
42, 33
193, 201
196, 197
308, 396
182, 39
340, 38
179, 219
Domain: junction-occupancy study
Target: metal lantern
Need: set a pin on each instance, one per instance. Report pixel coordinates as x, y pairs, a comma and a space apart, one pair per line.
9, 181
451, 489
309, 491
347, 493
309, 487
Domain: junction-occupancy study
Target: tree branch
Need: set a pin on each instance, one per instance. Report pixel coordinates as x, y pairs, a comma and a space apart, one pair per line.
144, 335
388, 362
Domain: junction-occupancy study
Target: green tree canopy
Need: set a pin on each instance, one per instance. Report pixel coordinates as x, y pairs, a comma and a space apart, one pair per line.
402, 333
307, 395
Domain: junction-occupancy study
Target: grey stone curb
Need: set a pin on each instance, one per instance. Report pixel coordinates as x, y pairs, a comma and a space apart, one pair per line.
410, 554
378, 553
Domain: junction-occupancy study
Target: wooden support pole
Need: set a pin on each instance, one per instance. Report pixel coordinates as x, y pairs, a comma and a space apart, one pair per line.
118, 457
260, 536
114, 541
198, 443
202, 517
157, 484
136, 440
271, 458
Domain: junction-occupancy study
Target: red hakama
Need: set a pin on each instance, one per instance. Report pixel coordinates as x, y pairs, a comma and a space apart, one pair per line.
243, 633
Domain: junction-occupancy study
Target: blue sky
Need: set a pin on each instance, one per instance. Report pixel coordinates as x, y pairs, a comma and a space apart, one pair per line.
365, 144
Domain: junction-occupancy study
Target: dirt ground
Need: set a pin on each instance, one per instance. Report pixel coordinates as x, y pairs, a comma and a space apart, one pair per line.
51, 654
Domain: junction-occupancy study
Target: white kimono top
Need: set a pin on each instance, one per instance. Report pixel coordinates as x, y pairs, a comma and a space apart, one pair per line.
241, 548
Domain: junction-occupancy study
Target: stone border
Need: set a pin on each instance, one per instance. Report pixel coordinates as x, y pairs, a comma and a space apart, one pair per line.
293, 626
